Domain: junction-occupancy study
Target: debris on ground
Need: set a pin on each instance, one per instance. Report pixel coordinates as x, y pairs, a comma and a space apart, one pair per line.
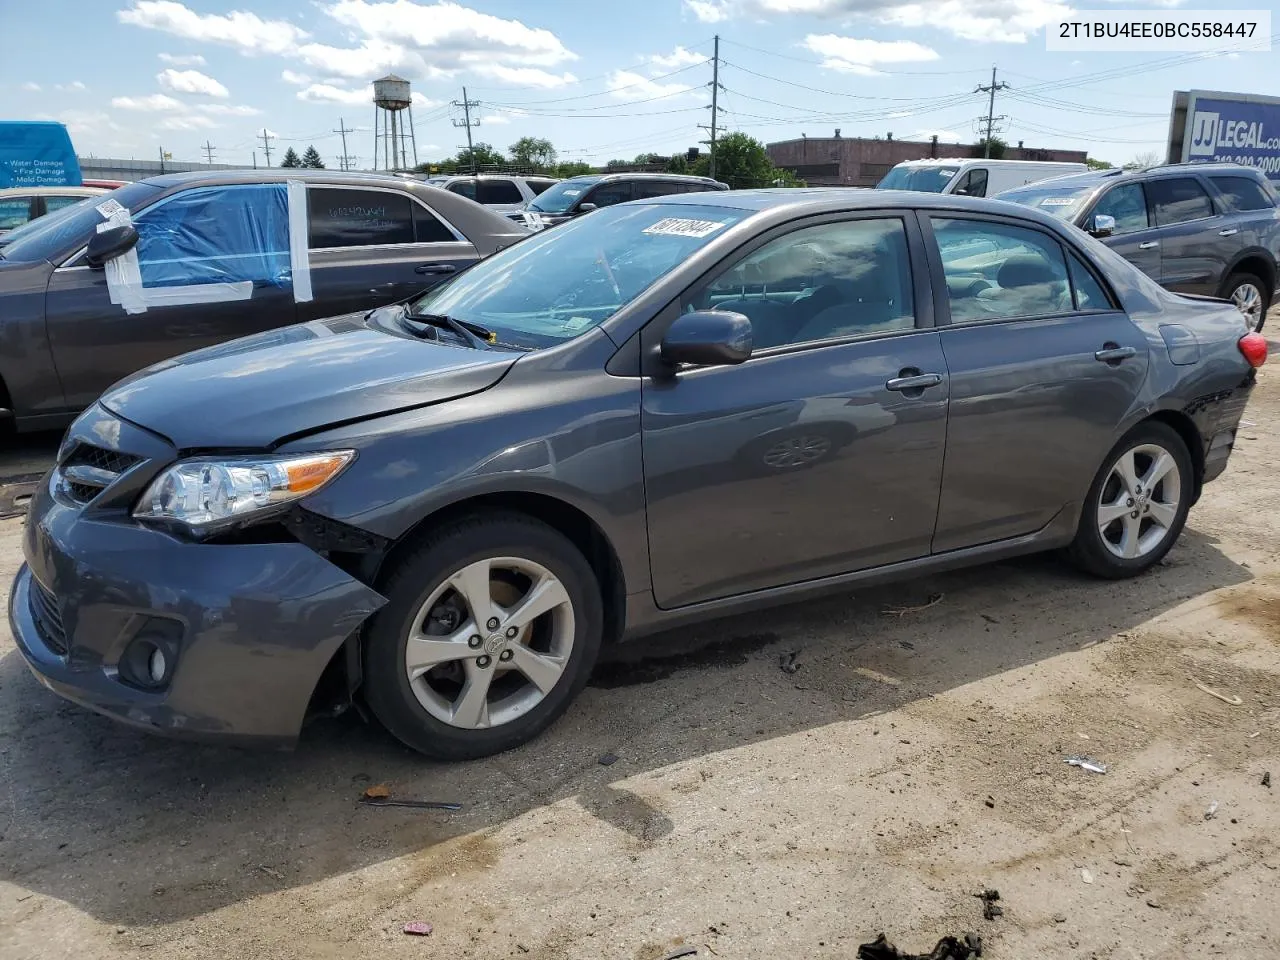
934, 600
273, 874
682, 952
1234, 701
608, 760
412, 804
379, 792
1086, 876
788, 662
948, 948
990, 910
418, 928
990, 802
1084, 763
1212, 811
1266, 779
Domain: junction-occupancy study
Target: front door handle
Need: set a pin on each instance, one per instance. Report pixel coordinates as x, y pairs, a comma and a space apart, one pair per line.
916, 382
1149, 245
1230, 232
1114, 353
436, 268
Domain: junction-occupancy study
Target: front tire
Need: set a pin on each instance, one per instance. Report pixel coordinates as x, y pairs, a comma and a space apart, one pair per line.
1137, 505
492, 626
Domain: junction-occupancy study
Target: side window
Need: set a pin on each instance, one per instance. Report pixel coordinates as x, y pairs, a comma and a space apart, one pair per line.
537, 186
57, 203
655, 188
216, 235
498, 191
996, 271
1088, 292
342, 217
1178, 200
1243, 194
833, 280
427, 227
607, 194
464, 188
973, 184
14, 212
1127, 204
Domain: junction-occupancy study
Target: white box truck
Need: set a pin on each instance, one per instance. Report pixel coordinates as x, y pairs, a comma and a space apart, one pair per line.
972, 178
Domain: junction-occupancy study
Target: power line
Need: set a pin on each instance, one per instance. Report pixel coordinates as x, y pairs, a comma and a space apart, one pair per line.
991, 109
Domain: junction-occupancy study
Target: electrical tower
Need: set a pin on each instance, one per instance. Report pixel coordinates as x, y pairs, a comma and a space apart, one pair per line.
466, 106
346, 161
716, 87
991, 109
266, 144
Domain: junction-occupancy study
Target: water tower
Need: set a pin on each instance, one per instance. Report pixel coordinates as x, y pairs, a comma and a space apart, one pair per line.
392, 137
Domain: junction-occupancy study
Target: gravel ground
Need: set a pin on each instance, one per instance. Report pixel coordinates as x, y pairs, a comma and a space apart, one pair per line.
912, 759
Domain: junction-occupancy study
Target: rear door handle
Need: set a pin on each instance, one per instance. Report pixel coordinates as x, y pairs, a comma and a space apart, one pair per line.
917, 382
1112, 353
1149, 245
436, 268
1230, 232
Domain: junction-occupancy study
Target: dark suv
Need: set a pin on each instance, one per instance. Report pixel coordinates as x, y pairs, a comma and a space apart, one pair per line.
578, 195
1211, 229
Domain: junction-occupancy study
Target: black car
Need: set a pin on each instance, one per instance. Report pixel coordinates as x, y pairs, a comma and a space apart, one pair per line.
1209, 229
578, 195
100, 290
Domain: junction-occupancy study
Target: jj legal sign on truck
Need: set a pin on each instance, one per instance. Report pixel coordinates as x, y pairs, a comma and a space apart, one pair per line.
1226, 128
37, 154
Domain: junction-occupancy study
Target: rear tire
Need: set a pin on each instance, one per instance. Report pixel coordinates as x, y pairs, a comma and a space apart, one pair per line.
1251, 297
1137, 504
455, 689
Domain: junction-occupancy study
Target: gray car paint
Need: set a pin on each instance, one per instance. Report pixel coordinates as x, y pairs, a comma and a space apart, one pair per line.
62, 342
588, 436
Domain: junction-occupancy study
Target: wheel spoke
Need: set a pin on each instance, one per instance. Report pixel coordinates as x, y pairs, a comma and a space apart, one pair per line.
1108, 513
1130, 543
424, 652
1163, 514
1128, 472
472, 582
1158, 470
542, 670
546, 595
472, 706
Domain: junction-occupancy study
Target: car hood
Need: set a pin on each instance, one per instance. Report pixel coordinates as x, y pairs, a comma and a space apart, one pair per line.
255, 392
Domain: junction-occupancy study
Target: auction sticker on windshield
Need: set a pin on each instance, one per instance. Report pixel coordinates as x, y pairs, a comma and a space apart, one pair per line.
1057, 201
679, 227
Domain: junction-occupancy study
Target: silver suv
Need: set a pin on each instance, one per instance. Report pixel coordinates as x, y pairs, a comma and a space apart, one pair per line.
498, 192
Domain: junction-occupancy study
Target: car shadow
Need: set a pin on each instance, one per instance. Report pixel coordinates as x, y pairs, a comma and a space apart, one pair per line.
137, 830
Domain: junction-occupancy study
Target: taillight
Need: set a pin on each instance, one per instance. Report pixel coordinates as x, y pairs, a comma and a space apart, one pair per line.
1254, 348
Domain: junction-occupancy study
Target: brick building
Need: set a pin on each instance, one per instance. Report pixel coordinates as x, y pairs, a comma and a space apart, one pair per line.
855, 162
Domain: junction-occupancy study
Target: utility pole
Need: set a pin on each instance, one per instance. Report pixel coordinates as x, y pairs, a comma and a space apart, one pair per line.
714, 126
266, 145
255, 159
344, 161
162, 158
991, 109
466, 106
208, 152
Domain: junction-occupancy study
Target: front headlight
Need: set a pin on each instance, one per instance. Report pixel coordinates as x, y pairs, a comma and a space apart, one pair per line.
209, 492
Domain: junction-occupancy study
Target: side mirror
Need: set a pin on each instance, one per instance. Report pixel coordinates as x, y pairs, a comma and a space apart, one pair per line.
708, 338
587, 207
1101, 225
109, 244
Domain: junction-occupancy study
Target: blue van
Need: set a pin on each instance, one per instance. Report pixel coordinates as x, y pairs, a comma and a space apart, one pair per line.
37, 153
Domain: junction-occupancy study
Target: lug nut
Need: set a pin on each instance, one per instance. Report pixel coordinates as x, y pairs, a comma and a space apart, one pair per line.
511, 632
505, 655
493, 623
1130, 501
474, 642
483, 662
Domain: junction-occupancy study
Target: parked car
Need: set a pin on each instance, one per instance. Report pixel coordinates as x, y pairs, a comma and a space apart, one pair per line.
578, 195
972, 178
1209, 229
213, 260
453, 504
21, 205
503, 193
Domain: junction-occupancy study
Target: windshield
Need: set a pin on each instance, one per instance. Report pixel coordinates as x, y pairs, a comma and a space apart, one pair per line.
560, 283
926, 179
1063, 201
62, 231
559, 197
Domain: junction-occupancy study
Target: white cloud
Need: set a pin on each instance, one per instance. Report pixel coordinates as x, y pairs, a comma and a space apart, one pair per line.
627, 85
31, 87
944, 136
853, 55
679, 57
495, 118
245, 31
524, 76
326, 93
191, 121
88, 122
190, 81
708, 11
153, 102
297, 79
899, 114
228, 110
75, 86
182, 60
271, 134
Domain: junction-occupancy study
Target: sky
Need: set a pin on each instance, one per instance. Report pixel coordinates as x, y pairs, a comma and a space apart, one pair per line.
599, 80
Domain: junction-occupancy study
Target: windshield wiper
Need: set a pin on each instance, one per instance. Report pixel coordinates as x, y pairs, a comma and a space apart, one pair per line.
477, 336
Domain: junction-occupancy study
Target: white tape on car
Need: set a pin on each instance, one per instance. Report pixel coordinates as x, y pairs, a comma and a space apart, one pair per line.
124, 275
299, 252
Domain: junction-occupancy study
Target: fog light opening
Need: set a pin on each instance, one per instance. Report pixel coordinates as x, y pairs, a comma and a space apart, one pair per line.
157, 666
147, 663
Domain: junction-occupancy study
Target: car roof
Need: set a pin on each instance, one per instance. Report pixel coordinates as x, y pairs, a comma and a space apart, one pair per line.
52, 191
1097, 177
277, 175
638, 175
806, 200
952, 161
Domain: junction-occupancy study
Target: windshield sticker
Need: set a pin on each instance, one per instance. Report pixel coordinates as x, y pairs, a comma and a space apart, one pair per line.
1057, 201
571, 193
578, 323
109, 209
677, 227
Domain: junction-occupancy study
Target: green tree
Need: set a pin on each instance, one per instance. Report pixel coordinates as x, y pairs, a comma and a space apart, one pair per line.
998, 147
742, 162
311, 159
1148, 158
678, 164
535, 152
572, 168
483, 154
1093, 164
290, 159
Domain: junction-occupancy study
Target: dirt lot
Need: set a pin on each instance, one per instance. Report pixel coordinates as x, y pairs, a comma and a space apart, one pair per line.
752, 813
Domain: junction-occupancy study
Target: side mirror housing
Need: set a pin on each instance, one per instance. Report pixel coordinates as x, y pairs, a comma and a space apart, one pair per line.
587, 207
708, 338
1101, 225
109, 244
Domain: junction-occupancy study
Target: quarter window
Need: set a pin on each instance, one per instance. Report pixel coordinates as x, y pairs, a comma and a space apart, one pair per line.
834, 280
997, 271
1178, 200
498, 191
1127, 204
1243, 194
358, 218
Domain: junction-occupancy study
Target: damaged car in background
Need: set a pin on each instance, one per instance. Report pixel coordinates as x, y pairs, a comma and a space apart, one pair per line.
448, 507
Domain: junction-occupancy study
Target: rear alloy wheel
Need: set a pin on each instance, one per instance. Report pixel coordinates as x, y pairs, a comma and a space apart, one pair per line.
1250, 295
491, 629
1137, 506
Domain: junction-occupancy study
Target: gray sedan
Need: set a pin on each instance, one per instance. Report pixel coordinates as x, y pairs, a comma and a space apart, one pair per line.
664, 412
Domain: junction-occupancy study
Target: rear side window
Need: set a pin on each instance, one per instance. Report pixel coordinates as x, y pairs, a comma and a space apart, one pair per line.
655, 188
498, 191
57, 203
537, 186
1127, 204
1088, 292
14, 212
464, 188
1178, 200
1243, 194
699, 187
342, 217
997, 271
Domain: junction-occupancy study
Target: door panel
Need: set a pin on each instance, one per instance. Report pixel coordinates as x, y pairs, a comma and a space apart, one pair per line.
1193, 256
1135, 238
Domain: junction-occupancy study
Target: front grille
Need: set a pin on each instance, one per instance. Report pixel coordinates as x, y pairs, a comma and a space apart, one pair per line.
88, 470
110, 460
44, 610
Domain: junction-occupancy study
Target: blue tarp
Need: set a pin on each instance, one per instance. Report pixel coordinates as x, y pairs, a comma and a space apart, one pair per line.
37, 154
